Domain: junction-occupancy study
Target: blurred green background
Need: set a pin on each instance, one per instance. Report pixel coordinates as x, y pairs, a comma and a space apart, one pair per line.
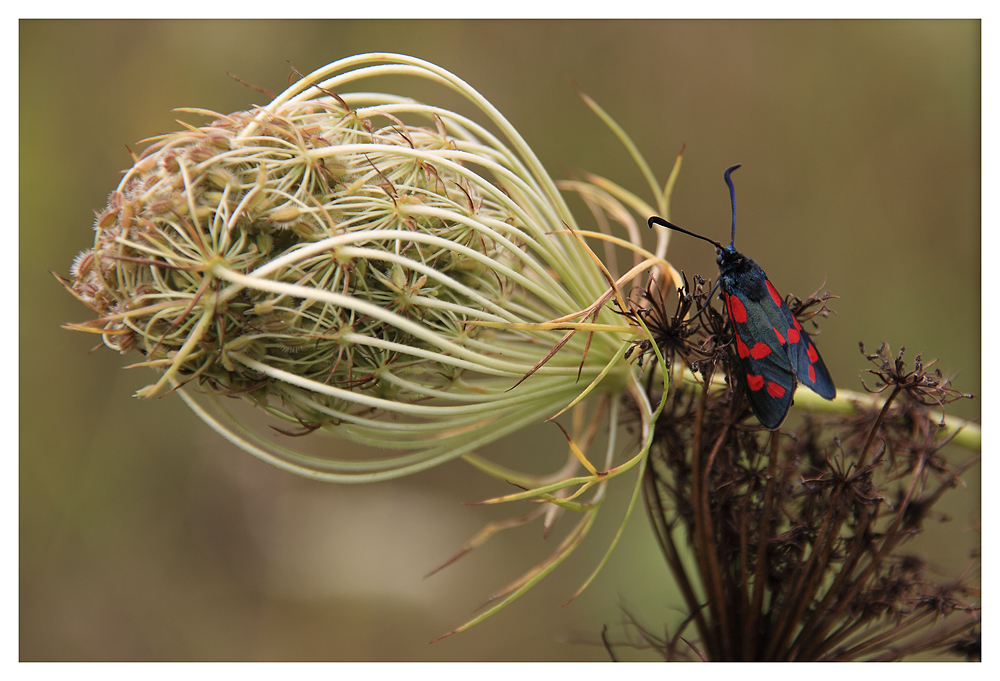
144, 536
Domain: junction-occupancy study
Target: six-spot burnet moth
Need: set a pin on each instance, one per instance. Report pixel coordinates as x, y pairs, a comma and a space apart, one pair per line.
772, 347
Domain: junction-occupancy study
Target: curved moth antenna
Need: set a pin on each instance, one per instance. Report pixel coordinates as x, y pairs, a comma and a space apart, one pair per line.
657, 220
732, 199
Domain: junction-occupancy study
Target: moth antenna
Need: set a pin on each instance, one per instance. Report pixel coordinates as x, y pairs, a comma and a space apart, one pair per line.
657, 220
732, 200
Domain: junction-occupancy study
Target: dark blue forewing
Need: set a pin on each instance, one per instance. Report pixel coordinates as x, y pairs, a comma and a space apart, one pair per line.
808, 365
767, 371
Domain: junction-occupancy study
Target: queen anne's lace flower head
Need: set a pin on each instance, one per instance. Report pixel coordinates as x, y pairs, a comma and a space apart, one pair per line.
355, 262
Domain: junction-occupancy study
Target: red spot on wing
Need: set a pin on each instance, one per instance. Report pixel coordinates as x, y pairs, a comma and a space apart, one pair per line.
775, 390
793, 335
796, 322
760, 350
811, 351
774, 294
812, 374
737, 312
755, 383
781, 339
741, 348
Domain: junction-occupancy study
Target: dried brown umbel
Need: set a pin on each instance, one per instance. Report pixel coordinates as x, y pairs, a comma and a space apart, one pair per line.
669, 332
798, 536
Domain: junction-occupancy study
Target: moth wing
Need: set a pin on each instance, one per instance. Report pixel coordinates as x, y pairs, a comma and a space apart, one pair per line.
805, 359
766, 367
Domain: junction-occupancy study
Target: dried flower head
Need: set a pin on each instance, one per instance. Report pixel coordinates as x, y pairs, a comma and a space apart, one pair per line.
670, 333
383, 270
358, 263
798, 539
923, 386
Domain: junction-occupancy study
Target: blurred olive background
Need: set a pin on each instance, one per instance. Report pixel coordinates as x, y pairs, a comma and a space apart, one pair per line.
144, 536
